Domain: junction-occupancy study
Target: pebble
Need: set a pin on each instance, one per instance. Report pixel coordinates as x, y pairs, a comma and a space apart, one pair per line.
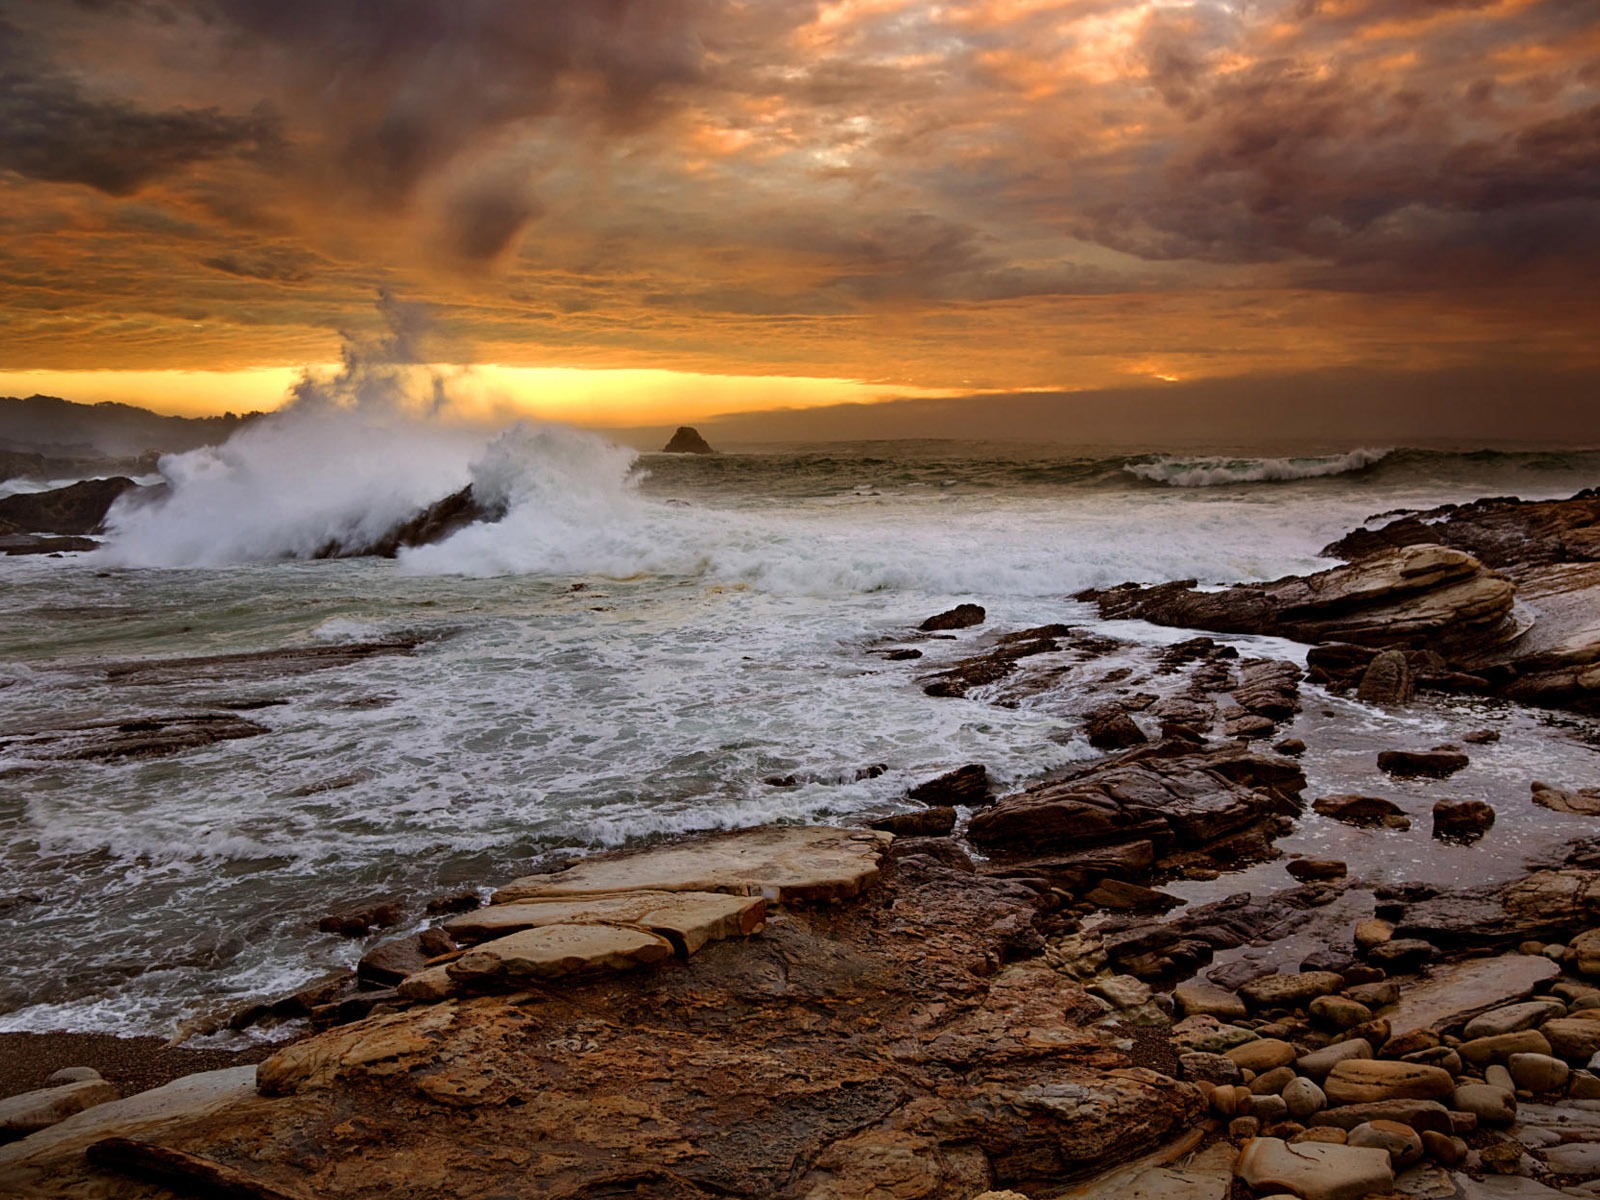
1263, 1054
72, 1075
1318, 1063
1304, 1097
1269, 1109
1446, 1151
1272, 1083
1401, 1142
1337, 1012
1373, 932
1490, 1104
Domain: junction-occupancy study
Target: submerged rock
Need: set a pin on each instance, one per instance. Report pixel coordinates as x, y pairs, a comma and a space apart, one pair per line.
962, 616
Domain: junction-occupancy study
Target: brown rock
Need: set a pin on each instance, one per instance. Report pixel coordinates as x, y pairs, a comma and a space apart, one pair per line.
1365, 812
1434, 764
962, 616
925, 822
1309, 869
966, 786
1480, 1052
1359, 1081
1387, 681
1461, 820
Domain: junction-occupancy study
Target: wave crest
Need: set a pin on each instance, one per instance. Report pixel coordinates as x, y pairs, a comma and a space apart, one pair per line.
1219, 471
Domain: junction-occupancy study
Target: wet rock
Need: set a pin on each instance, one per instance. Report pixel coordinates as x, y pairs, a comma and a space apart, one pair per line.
1365, 812
962, 616
1130, 897
996, 663
1315, 1170
130, 737
1202, 1067
1510, 1018
1401, 954
1545, 903
252, 665
929, 822
1461, 820
1269, 688
966, 786
432, 524
1584, 803
1292, 747
1110, 728
1433, 764
1304, 1098
1166, 793
1387, 681
1121, 991
1309, 869
686, 439
358, 922
1338, 1012
389, 962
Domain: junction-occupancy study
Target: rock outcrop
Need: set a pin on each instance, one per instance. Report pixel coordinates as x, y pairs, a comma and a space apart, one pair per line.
909, 1042
1418, 595
687, 440
78, 508
1167, 802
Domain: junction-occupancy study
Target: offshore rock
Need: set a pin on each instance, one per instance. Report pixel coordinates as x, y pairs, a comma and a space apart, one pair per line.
967, 786
78, 508
687, 440
893, 1046
962, 616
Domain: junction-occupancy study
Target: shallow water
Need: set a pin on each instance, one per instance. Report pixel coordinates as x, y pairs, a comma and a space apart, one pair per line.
624, 656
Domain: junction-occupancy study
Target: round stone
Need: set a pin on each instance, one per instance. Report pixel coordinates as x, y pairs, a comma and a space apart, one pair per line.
1538, 1072
1303, 1098
1401, 1141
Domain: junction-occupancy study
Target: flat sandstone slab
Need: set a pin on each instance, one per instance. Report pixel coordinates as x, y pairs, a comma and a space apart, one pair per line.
780, 863
1456, 993
554, 951
687, 919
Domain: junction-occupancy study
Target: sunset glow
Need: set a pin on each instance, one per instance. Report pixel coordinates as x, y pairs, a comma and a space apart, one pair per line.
715, 204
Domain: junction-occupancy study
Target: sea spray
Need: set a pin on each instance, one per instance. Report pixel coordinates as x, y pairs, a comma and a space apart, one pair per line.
1219, 471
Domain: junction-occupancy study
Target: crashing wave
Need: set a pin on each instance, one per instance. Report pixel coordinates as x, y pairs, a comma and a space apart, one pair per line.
1219, 471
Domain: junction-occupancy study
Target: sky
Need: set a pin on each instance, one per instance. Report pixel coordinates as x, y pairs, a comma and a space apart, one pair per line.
626, 211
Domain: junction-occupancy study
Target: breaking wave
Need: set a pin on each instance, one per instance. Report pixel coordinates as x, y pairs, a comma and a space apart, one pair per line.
1218, 471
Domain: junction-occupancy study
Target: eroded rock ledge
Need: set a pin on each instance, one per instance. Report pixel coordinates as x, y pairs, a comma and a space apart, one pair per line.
890, 1030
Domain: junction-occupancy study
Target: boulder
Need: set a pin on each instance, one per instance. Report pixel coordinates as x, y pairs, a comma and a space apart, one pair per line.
1387, 681
1399, 1141
1196, 996
782, 863
967, 786
1545, 903
1318, 1063
1290, 991
1366, 812
1582, 803
1359, 1081
939, 821
1419, 1114
1309, 869
1461, 820
1510, 1018
1167, 793
1110, 728
1490, 1104
1571, 1038
962, 616
1538, 1072
1479, 1052
1434, 764
687, 440
1263, 1054
1314, 1170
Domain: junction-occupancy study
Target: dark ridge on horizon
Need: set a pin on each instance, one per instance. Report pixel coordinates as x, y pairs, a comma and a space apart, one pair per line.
61, 430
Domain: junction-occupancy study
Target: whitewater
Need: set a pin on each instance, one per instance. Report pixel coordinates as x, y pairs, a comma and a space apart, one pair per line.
643, 645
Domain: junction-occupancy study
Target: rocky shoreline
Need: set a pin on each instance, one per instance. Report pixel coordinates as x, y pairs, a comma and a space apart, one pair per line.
991, 993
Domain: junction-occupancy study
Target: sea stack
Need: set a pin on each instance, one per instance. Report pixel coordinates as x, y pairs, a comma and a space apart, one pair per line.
687, 441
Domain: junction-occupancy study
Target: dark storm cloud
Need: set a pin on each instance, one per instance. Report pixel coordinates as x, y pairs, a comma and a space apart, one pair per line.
276, 265
55, 130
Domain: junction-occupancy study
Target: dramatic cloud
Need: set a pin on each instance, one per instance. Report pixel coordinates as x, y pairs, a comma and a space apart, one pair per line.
1038, 193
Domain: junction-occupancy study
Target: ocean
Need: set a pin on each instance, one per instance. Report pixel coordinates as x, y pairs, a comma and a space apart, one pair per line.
646, 645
